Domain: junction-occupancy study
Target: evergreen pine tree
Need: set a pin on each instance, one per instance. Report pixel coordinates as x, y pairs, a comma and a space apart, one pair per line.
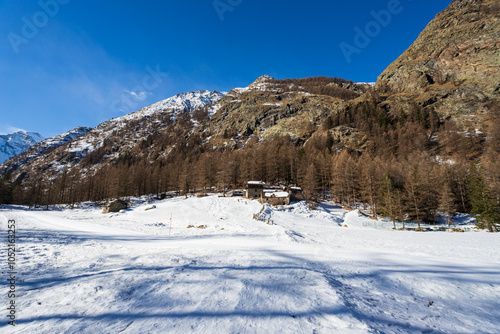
484, 204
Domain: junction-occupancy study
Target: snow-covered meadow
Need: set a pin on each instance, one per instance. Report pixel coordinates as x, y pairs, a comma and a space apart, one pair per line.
219, 271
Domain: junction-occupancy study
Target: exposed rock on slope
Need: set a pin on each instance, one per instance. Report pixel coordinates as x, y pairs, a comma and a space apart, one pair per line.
116, 137
453, 66
267, 107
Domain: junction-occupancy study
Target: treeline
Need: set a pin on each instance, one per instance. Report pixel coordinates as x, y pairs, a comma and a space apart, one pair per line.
320, 85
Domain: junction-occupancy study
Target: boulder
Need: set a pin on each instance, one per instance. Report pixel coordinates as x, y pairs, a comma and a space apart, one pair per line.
115, 206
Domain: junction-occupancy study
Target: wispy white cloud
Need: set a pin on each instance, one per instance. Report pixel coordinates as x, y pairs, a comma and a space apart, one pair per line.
8, 129
139, 95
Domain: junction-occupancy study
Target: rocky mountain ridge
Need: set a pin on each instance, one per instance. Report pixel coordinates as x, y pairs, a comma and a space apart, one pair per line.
453, 67
267, 108
176, 104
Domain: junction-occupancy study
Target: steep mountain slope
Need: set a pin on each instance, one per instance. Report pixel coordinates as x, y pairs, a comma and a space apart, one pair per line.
271, 107
118, 136
453, 66
203, 121
15, 143
40, 148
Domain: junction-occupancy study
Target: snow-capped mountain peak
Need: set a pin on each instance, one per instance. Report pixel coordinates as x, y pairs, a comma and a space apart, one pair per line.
179, 103
16, 143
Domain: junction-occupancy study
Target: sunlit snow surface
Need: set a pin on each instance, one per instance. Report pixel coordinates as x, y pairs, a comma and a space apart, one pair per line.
87, 272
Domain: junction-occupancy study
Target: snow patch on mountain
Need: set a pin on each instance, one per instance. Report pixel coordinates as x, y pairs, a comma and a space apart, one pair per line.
175, 105
56, 141
371, 84
41, 147
262, 83
64, 138
179, 103
16, 143
131, 128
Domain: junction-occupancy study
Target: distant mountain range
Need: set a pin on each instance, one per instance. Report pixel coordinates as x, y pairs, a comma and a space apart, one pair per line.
16, 143
36, 149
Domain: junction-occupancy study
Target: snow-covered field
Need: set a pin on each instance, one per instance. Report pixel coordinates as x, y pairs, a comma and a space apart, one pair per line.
81, 271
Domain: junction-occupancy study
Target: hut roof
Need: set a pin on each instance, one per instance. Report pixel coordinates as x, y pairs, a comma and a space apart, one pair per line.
256, 182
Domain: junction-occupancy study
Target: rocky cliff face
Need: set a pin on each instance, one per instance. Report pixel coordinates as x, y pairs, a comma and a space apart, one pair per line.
267, 107
453, 66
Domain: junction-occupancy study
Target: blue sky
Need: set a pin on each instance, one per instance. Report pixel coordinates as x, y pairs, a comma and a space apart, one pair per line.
69, 63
